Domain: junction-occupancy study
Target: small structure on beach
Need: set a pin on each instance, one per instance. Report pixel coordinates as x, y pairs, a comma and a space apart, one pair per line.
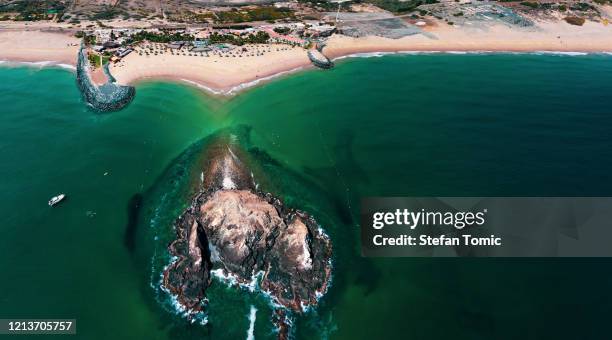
319, 30
200, 49
111, 45
200, 46
122, 52
175, 45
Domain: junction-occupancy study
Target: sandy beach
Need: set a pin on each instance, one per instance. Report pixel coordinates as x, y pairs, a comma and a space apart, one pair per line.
225, 74
38, 46
547, 36
219, 74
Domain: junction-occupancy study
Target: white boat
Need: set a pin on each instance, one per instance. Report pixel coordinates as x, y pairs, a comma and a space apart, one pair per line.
56, 199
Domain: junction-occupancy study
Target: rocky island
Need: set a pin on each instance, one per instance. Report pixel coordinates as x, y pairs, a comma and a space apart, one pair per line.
233, 230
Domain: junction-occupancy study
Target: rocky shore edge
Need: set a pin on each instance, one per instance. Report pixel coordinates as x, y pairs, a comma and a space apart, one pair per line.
107, 97
234, 231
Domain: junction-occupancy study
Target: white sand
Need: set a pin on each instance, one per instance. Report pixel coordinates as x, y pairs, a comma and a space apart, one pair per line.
36, 46
226, 73
558, 36
215, 72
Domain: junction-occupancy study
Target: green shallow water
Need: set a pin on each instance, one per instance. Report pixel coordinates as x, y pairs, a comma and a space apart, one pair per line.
430, 125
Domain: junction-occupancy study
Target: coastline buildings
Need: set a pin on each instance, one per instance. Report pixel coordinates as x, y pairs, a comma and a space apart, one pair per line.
115, 44
122, 52
200, 46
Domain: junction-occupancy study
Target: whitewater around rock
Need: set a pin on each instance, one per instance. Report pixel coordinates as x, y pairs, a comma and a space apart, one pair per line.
233, 230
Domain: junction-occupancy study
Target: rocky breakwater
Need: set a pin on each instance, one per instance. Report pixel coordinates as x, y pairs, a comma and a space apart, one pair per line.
317, 57
107, 97
235, 231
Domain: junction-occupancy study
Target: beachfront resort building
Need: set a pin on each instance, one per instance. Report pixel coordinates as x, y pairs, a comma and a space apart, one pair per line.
319, 30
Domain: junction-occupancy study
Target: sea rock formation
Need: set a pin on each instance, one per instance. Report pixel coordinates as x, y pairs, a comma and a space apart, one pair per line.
107, 97
236, 231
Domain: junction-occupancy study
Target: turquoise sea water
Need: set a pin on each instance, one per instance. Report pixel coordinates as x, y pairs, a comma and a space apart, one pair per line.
428, 125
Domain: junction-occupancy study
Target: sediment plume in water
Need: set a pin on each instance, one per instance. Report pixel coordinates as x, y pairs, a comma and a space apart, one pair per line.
233, 229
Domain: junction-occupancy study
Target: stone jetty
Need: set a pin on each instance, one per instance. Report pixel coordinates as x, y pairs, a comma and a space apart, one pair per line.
107, 97
319, 59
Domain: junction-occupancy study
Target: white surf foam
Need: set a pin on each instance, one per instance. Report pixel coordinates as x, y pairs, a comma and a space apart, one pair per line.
37, 64
240, 87
229, 278
247, 85
203, 87
563, 53
252, 318
382, 54
365, 55
66, 66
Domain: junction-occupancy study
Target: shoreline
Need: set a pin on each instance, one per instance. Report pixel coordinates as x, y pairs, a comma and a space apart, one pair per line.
244, 86
225, 76
236, 89
39, 64
213, 88
376, 54
214, 74
545, 36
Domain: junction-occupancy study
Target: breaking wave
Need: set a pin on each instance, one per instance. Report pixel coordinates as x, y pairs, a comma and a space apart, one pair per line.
382, 54
38, 64
240, 87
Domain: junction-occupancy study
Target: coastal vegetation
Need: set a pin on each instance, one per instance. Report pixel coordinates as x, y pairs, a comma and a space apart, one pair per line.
33, 10
282, 30
530, 4
98, 60
160, 37
257, 38
397, 6
263, 13
514, 12
233, 15
326, 5
106, 13
87, 39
